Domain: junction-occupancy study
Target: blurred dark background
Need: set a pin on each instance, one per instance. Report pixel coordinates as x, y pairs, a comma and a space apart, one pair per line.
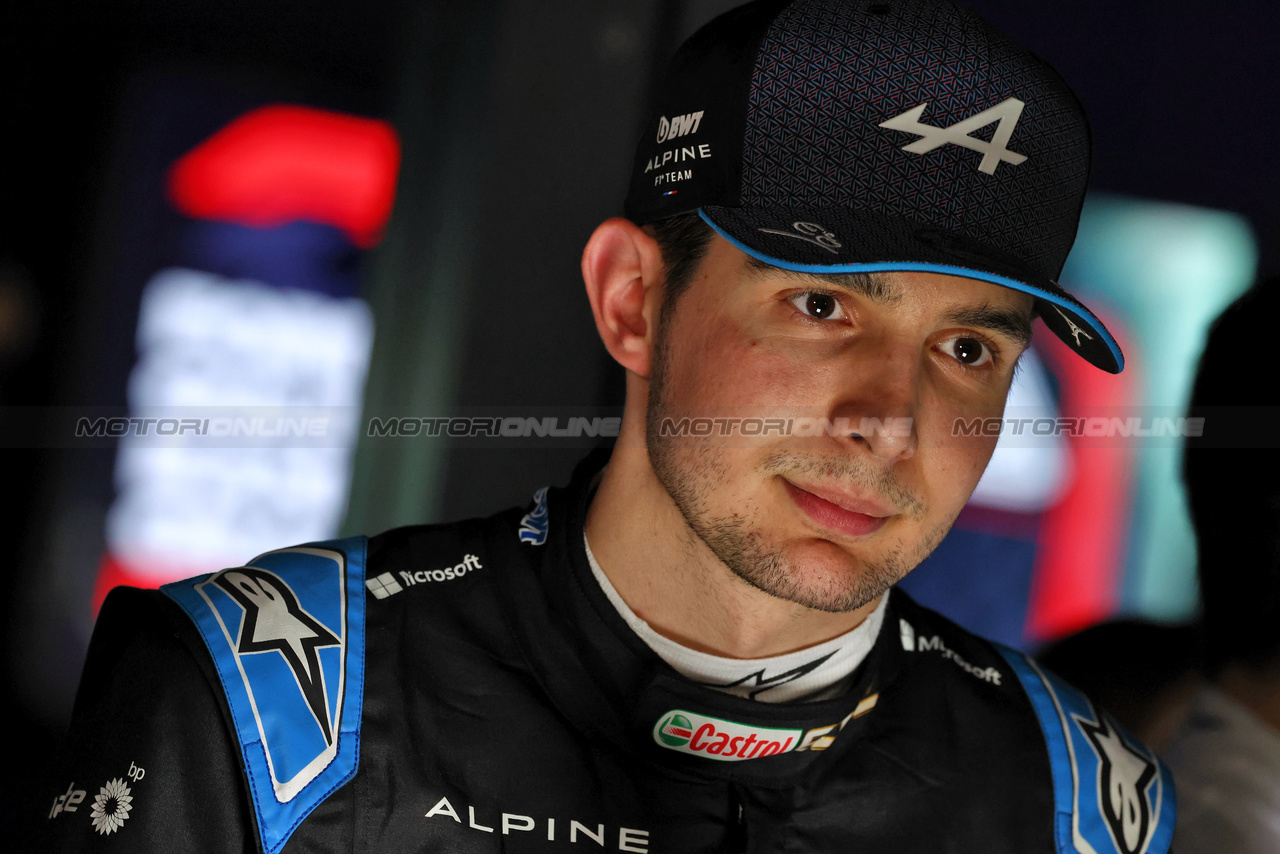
516, 120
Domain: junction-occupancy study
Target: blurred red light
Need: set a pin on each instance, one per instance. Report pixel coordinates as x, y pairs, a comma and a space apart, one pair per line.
282, 163
1084, 538
115, 572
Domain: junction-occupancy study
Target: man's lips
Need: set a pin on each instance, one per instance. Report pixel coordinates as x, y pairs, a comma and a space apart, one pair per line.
852, 516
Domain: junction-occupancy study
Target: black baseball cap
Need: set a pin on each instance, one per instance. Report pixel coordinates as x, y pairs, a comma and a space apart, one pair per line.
840, 136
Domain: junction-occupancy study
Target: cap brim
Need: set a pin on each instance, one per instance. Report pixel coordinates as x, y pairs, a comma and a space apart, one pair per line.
835, 240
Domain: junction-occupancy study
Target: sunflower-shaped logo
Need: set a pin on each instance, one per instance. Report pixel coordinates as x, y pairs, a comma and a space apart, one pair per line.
111, 806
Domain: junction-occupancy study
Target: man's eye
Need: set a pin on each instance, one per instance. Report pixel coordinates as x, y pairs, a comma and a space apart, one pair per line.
972, 352
818, 305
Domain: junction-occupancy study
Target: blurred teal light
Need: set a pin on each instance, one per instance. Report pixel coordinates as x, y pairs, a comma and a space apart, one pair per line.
1164, 271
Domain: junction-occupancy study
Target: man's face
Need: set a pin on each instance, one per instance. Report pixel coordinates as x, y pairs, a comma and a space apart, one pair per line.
825, 515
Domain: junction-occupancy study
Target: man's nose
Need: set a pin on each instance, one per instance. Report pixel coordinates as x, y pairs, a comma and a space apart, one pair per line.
878, 403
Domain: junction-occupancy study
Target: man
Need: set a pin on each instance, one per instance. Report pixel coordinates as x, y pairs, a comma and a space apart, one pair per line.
826, 268
1227, 754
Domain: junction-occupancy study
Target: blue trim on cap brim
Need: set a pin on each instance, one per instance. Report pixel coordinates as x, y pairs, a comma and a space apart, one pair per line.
919, 266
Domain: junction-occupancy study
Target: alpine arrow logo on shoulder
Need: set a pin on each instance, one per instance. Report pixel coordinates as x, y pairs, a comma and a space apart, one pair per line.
286, 634
274, 620
1112, 794
1007, 113
1124, 778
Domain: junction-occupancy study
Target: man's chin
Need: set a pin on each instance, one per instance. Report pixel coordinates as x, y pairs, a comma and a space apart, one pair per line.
823, 576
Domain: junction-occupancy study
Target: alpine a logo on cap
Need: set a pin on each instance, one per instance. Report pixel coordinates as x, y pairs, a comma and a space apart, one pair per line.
1006, 113
687, 732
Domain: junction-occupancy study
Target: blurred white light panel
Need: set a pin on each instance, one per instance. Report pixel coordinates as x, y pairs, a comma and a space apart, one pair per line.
210, 347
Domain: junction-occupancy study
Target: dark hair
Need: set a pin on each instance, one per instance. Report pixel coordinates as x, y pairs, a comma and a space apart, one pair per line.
683, 240
1232, 475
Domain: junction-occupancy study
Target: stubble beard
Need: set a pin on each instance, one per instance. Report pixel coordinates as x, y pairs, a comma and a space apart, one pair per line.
691, 471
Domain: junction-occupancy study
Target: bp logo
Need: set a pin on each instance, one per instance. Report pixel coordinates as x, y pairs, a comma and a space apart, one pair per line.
675, 731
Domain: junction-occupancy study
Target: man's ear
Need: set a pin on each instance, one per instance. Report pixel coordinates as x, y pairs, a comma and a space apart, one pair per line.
623, 270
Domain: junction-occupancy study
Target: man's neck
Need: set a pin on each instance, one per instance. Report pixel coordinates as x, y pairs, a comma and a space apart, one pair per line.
675, 583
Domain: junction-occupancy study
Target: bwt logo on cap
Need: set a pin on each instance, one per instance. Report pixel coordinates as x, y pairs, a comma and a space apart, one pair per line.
726, 741
678, 126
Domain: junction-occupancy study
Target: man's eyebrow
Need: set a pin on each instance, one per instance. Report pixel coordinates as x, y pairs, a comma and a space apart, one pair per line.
1007, 321
870, 285
1010, 322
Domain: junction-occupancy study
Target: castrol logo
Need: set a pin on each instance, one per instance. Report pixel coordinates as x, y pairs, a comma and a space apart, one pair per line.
719, 739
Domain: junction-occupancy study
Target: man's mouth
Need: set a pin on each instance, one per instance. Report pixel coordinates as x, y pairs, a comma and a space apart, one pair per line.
854, 517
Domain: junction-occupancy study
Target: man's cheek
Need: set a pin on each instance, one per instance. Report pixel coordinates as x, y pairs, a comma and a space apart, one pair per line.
964, 457
953, 461
803, 379
802, 348
968, 462
968, 428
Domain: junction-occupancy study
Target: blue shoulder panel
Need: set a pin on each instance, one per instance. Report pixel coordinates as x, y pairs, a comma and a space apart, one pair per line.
1112, 794
286, 633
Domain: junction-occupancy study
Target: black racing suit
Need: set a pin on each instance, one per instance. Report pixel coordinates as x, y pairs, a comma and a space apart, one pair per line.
469, 688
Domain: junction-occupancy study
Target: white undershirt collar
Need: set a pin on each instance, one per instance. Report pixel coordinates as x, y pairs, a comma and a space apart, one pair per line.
815, 673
